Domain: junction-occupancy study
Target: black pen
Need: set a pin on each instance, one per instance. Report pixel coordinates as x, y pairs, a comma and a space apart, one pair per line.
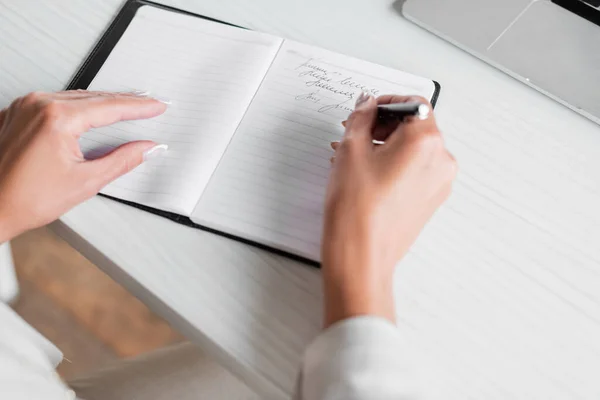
399, 111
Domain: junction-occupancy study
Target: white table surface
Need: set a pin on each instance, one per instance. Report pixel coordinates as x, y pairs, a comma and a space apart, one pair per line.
499, 298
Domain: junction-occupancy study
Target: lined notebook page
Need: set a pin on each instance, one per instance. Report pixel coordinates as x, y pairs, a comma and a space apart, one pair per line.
209, 71
270, 185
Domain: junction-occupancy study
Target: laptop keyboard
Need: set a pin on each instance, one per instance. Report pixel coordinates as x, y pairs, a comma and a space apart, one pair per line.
588, 9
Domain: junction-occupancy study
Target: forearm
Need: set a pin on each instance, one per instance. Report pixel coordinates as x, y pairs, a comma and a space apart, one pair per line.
350, 292
357, 280
361, 353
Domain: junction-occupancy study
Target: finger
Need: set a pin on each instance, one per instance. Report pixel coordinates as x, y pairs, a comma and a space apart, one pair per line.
384, 128
409, 126
73, 94
83, 94
410, 129
334, 145
332, 159
393, 98
100, 172
361, 122
100, 111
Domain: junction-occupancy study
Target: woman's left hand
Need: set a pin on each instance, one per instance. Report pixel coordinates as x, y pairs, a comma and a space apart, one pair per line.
43, 173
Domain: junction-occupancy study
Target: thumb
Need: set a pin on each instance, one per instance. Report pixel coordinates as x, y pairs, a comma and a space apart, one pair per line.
118, 162
361, 122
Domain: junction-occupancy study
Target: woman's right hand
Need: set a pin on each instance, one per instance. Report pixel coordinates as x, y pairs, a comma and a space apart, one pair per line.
379, 198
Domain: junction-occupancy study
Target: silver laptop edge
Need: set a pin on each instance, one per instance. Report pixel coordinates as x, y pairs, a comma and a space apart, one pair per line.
508, 71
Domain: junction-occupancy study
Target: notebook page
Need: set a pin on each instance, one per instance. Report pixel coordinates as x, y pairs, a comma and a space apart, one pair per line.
270, 185
209, 71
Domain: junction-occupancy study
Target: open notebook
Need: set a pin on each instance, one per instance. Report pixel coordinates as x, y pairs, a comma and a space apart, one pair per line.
249, 127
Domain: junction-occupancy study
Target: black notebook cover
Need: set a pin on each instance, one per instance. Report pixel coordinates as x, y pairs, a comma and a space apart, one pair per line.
94, 62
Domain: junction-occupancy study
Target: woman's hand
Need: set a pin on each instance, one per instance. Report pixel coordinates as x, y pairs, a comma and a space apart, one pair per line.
43, 173
378, 200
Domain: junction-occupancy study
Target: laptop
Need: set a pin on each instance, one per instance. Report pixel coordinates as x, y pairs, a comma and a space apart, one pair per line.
551, 45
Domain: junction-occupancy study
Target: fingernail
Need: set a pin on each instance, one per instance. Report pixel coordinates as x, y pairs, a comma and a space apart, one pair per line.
363, 99
156, 151
140, 93
146, 93
163, 100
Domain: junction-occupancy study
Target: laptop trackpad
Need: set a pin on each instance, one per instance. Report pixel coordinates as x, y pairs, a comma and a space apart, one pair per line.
556, 50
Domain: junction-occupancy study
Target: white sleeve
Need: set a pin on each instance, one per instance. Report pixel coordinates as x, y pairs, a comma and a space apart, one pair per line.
357, 359
28, 362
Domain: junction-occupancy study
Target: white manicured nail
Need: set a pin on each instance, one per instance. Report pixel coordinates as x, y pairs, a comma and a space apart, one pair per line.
156, 151
163, 100
140, 93
363, 99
